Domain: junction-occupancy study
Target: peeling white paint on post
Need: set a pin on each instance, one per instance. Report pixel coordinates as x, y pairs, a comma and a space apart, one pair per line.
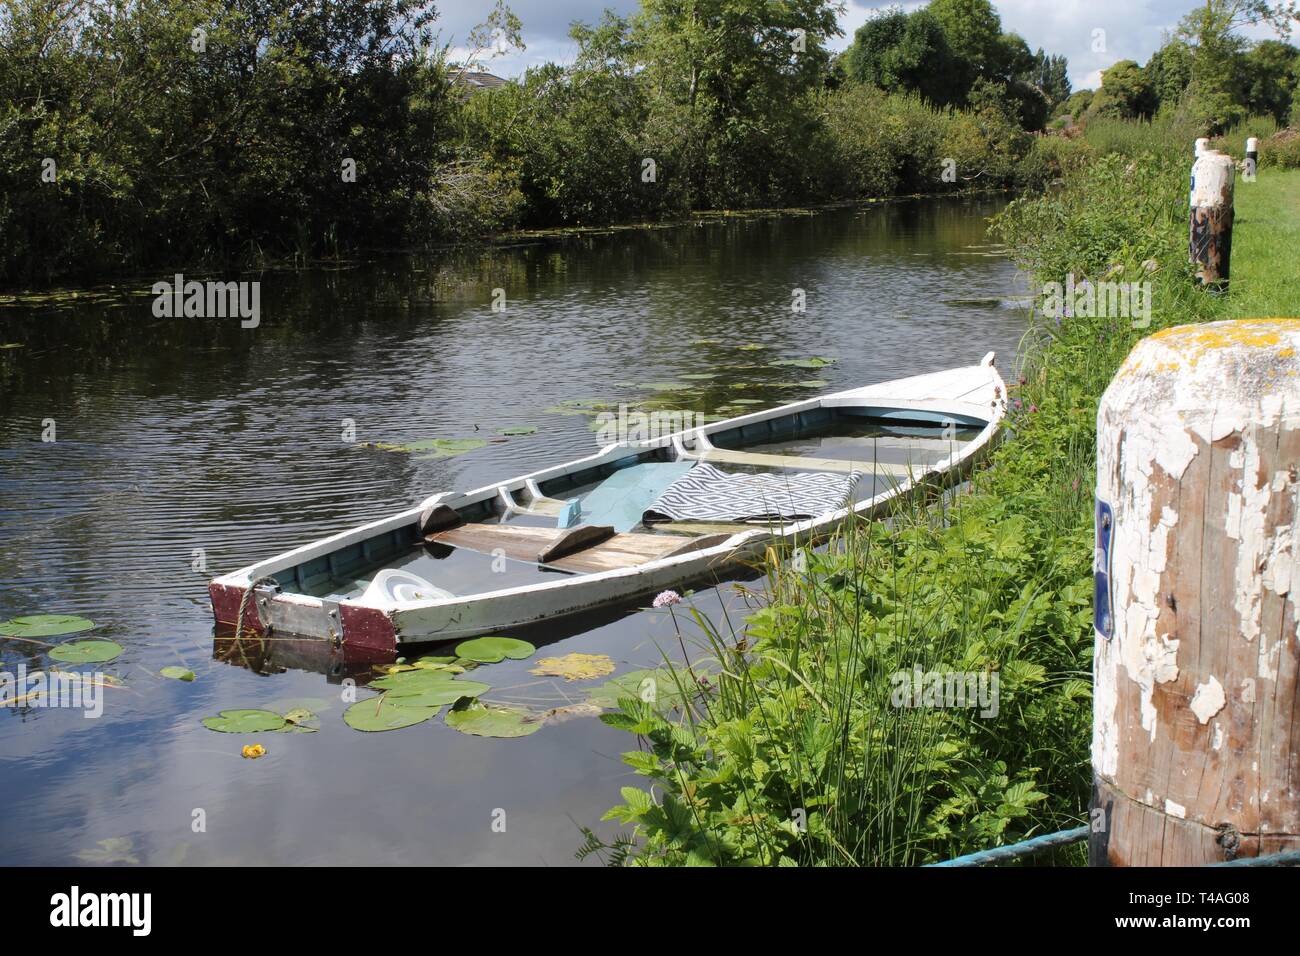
1195, 711
1213, 179
1200, 146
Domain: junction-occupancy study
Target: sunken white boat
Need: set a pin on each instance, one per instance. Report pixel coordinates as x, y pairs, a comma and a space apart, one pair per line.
634, 519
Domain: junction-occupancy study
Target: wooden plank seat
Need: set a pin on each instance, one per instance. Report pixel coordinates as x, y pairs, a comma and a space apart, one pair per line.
585, 548
726, 457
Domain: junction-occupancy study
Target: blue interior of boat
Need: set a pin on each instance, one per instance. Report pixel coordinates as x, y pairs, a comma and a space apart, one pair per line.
617, 493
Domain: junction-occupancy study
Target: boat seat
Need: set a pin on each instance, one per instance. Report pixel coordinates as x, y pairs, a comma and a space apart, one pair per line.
586, 548
726, 457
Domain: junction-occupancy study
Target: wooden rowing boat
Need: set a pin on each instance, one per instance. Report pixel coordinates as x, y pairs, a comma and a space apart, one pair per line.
510, 554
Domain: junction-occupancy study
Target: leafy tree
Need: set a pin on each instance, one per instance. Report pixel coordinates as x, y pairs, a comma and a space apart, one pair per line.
1217, 98
727, 77
906, 52
1270, 76
1125, 93
1169, 71
1051, 74
1078, 103
974, 32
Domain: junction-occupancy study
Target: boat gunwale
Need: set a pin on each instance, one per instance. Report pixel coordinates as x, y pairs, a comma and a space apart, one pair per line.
732, 550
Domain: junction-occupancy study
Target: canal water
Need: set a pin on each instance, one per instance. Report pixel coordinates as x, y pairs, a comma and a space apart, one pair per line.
185, 448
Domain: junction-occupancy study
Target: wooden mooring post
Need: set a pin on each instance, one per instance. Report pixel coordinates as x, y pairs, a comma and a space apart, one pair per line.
1213, 178
1196, 722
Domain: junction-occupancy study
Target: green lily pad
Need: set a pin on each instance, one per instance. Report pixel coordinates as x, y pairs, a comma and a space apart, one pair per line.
815, 362
493, 720
425, 688
86, 652
381, 713
244, 722
706, 341
437, 695
665, 386
752, 347
519, 430
177, 673
748, 401
301, 720
699, 376
441, 447
44, 625
418, 677
813, 383
489, 650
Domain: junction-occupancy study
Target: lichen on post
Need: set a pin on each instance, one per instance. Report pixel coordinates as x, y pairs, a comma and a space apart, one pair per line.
1196, 742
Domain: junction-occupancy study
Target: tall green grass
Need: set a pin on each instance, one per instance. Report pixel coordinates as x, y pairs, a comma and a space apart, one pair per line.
792, 750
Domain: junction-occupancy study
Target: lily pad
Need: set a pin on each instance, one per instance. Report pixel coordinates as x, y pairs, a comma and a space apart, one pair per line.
813, 383
244, 722
815, 362
86, 652
493, 720
380, 713
420, 677
44, 625
665, 386
301, 720
752, 347
699, 376
489, 650
441, 447
177, 673
435, 693
574, 666
519, 430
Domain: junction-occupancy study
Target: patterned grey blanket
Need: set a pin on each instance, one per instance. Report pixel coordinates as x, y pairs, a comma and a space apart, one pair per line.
706, 494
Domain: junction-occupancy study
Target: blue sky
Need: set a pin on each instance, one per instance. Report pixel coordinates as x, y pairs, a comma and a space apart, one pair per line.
1133, 28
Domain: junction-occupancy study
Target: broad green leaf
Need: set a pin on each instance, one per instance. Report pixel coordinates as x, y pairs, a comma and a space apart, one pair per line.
44, 625
382, 713
493, 720
86, 652
489, 650
177, 673
244, 722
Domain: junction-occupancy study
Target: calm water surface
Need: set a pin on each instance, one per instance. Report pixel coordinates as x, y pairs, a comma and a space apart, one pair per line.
181, 440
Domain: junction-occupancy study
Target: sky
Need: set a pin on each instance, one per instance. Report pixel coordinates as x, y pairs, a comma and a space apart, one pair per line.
1133, 29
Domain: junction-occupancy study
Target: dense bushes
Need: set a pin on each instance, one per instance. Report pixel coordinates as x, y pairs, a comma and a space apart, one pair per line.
178, 131
190, 133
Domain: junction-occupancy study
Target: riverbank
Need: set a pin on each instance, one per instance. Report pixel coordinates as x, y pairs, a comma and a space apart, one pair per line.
801, 750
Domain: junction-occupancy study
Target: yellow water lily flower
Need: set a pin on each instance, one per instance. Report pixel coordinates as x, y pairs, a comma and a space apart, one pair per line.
253, 751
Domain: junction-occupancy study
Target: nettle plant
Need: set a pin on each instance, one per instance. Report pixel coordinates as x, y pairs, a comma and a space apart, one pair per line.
793, 749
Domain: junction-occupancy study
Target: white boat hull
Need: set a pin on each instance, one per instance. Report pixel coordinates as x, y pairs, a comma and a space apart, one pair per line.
975, 393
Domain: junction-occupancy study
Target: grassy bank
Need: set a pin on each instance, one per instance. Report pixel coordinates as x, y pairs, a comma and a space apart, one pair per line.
795, 750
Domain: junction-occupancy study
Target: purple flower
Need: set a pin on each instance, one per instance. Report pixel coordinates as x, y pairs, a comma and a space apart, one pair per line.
1032, 409
667, 599
1016, 404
